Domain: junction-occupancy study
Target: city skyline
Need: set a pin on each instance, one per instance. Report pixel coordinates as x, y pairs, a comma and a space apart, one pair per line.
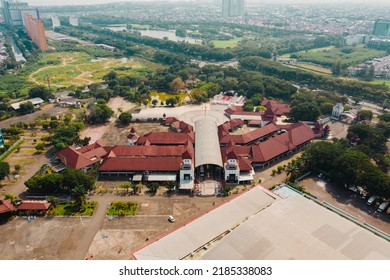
249, 2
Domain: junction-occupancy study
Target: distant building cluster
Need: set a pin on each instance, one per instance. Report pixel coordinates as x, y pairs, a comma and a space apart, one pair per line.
19, 14
381, 68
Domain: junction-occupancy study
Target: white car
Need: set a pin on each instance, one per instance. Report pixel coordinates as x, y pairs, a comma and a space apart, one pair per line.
171, 218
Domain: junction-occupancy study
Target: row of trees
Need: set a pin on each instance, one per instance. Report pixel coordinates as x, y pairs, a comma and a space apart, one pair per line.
377, 93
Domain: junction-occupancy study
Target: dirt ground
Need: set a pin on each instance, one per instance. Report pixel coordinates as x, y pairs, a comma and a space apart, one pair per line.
117, 135
119, 237
43, 238
348, 202
99, 237
46, 109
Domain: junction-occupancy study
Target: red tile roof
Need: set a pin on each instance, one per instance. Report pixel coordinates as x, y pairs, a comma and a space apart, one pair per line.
298, 134
6, 206
166, 138
83, 157
147, 151
182, 126
141, 164
245, 164
27, 205
265, 151
276, 108
250, 136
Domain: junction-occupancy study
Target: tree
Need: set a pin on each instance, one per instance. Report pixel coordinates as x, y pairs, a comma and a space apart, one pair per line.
177, 84
181, 32
305, 112
326, 108
198, 95
17, 168
78, 195
125, 118
4, 170
153, 187
171, 101
40, 147
126, 186
26, 108
321, 156
40, 91
366, 115
336, 68
112, 75
100, 113
154, 102
248, 106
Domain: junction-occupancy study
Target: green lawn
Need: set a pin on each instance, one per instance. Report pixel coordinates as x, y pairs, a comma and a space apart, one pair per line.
70, 209
162, 96
118, 208
348, 55
223, 44
381, 82
78, 68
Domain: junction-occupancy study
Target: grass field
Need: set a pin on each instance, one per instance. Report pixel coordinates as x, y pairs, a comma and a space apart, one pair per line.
223, 44
347, 55
314, 68
77, 68
381, 82
161, 96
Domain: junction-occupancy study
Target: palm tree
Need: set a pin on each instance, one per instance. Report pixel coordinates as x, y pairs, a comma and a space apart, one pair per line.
78, 195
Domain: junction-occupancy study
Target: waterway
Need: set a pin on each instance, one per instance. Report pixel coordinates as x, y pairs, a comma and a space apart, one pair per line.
159, 34
18, 54
170, 35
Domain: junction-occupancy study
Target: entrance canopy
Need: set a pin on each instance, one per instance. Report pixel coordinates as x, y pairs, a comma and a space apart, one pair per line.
207, 150
162, 177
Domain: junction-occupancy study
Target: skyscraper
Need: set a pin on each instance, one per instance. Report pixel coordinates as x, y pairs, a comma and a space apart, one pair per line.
1, 139
35, 30
233, 8
13, 12
382, 28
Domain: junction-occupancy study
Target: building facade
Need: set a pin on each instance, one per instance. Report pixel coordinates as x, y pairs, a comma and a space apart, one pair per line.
35, 30
381, 28
233, 8
14, 11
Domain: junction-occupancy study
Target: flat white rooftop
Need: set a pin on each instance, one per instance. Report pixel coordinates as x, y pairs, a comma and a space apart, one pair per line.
258, 226
187, 239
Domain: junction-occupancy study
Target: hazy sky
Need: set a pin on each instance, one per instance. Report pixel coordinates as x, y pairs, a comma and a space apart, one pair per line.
89, 2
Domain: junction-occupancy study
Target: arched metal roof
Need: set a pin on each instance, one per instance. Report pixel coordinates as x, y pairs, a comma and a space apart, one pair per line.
207, 150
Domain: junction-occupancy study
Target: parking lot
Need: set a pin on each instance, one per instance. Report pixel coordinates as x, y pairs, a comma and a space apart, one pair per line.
347, 201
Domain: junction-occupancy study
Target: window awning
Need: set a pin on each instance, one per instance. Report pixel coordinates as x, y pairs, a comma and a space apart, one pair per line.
162, 177
137, 178
245, 177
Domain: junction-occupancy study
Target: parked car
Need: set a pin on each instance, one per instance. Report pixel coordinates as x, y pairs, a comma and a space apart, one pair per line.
372, 200
383, 206
171, 218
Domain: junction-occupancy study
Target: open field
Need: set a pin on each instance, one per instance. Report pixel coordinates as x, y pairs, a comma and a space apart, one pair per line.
77, 68
161, 96
315, 68
381, 82
347, 55
117, 135
223, 44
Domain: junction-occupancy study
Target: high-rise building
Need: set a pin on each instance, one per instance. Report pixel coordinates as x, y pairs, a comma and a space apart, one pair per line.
1, 139
13, 12
382, 28
233, 8
35, 30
